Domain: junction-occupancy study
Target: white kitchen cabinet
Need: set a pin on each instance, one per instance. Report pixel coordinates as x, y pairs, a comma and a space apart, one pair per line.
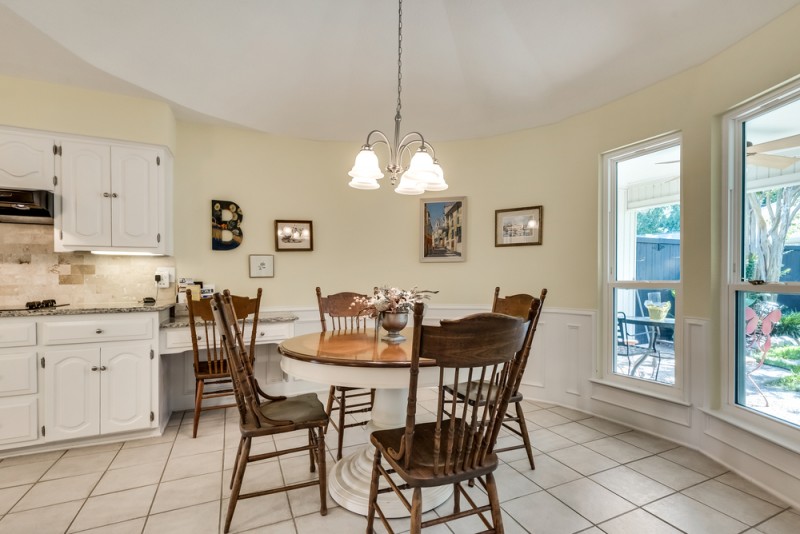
27, 161
19, 389
112, 198
97, 390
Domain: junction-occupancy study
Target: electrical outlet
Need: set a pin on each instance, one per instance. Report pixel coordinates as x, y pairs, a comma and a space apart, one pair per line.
167, 275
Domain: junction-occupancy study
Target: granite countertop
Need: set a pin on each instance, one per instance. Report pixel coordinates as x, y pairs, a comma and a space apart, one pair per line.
82, 309
267, 317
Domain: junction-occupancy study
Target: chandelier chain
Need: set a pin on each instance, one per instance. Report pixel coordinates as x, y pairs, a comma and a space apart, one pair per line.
399, 56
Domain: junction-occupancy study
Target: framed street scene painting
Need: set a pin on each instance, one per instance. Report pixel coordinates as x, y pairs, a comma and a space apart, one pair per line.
443, 223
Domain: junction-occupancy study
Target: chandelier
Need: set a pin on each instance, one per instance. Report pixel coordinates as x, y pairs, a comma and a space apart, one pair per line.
423, 172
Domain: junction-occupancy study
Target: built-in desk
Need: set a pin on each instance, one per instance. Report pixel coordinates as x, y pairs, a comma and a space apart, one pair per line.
176, 336
175, 347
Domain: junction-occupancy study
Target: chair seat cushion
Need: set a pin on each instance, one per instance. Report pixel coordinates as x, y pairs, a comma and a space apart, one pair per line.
421, 473
300, 409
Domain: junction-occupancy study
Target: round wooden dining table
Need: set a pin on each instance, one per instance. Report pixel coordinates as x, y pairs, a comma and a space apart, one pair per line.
361, 359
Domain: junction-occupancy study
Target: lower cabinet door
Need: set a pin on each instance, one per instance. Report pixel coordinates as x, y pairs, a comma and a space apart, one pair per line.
125, 396
72, 393
18, 419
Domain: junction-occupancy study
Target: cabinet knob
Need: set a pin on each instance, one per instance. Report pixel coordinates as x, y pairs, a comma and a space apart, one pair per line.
103, 368
98, 331
262, 334
106, 195
199, 338
94, 368
114, 195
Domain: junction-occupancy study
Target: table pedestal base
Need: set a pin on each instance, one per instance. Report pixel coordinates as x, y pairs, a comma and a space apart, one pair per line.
350, 479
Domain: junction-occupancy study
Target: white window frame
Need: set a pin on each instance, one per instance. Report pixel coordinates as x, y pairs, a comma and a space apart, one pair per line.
731, 251
605, 372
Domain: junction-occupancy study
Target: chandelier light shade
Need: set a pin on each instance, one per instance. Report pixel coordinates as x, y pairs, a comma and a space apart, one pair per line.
422, 173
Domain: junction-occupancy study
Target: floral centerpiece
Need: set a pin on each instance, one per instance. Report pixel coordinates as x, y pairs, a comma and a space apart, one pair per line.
392, 300
391, 305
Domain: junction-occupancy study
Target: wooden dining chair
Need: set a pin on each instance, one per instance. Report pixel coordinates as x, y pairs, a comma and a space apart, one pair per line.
487, 350
210, 366
262, 415
344, 313
520, 305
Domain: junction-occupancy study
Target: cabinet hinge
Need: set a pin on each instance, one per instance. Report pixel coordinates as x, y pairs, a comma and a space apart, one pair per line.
152, 417
55, 180
42, 362
158, 238
152, 354
158, 160
43, 432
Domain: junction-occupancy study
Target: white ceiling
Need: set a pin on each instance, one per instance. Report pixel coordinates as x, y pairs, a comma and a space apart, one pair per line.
326, 69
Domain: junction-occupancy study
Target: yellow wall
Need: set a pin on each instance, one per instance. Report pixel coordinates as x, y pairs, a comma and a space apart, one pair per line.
371, 238
64, 109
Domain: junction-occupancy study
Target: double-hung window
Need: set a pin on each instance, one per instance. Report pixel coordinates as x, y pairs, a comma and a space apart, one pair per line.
642, 264
761, 289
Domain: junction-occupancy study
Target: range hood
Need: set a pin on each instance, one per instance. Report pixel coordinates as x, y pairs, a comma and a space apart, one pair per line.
28, 207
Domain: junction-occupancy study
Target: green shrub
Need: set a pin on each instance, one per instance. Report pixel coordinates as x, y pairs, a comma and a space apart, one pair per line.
787, 383
789, 326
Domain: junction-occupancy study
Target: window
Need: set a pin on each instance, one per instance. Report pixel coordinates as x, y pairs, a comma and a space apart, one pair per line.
763, 253
643, 264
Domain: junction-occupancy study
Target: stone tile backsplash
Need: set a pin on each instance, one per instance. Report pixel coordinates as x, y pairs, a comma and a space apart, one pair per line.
31, 270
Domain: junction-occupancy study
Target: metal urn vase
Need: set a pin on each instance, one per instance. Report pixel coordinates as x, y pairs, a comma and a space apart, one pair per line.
393, 323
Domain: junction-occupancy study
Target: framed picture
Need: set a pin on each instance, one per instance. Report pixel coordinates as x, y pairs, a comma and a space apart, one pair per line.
518, 227
294, 235
262, 266
443, 224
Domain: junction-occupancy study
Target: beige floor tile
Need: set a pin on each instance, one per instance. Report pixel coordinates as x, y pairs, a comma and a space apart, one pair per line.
591, 500
306, 501
133, 526
515, 454
31, 458
577, 432
637, 522
92, 449
606, 427
114, 508
737, 504
258, 476
694, 460
548, 472
668, 473
617, 450
199, 519
547, 441
543, 513
10, 496
80, 465
167, 437
23, 473
736, 481
546, 418
569, 413
129, 477
204, 429
189, 447
583, 460
646, 441
337, 520
198, 464
48, 520
631, 485
187, 492
512, 484
142, 455
786, 522
263, 511
693, 517
284, 527
57, 491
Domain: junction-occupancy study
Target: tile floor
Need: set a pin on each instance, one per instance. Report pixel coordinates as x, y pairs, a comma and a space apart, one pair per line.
591, 476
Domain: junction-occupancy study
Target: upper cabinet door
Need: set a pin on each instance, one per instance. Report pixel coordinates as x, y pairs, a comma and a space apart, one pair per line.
86, 195
135, 186
26, 161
